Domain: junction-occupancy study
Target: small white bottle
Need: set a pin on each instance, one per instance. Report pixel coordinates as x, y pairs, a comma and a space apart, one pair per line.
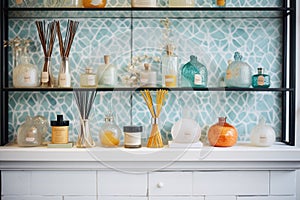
88, 79
262, 135
143, 3
148, 77
181, 3
107, 73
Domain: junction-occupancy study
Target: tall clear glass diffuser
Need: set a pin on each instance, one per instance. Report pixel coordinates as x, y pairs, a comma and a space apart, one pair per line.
84, 101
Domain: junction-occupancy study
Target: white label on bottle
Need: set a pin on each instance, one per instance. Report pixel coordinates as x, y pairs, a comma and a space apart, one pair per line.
132, 139
27, 78
29, 139
96, 2
91, 80
198, 79
64, 80
45, 77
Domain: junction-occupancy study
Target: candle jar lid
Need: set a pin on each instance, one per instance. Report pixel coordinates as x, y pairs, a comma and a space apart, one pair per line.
132, 129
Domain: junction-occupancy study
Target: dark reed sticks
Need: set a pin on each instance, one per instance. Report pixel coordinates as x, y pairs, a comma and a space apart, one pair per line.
65, 46
47, 34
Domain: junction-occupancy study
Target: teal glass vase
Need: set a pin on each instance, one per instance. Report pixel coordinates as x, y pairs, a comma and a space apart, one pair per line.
260, 80
193, 74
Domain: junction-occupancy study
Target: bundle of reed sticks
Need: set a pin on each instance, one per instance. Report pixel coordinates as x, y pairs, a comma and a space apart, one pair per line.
65, 46
84, 101
47, 37
155, 139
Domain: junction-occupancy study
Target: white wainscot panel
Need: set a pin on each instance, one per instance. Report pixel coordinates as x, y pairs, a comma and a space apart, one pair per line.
15, 182
283, 183
64, 183
267, 198
231, 183
122, 198
22, 197
176, 198
170, 183
220, 197
80, 197
122, 183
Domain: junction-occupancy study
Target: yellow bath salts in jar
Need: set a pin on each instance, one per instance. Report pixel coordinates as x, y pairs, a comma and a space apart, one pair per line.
110, 133
109, 139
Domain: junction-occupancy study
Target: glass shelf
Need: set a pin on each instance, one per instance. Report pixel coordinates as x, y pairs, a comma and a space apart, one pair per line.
211, 89
201, 12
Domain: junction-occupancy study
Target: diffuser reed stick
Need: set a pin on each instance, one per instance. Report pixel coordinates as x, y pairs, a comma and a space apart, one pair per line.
84, 101
155, 139
64, 77
65, 46
47, 38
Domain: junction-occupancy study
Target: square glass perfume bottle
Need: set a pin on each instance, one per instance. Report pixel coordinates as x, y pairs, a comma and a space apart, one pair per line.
260, 80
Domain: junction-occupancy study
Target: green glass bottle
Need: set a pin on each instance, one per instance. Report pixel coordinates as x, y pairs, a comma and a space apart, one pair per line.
194, 74
260, 80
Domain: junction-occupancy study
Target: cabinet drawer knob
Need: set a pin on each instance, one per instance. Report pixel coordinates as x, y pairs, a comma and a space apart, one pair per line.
160, 185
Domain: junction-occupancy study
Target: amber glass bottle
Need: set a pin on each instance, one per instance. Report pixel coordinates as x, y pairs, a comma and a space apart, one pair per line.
94, 3
222, 134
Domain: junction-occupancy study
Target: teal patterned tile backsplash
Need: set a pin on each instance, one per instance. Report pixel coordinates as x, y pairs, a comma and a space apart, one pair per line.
212, 40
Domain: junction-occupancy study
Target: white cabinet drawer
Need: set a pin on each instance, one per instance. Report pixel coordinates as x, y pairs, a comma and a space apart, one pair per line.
283, 183
231, 183
267, 198
170, 183
118, 183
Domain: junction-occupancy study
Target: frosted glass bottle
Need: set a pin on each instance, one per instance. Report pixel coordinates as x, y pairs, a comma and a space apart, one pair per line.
260, 80
28, 134
25, 74
148, 77
262, 135
107, 73
143, 3
181, 3
110, 133
169, 64
238, 73
88, 79
194, 74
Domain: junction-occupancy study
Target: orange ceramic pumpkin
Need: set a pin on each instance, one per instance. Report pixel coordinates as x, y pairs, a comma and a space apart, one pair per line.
222, 134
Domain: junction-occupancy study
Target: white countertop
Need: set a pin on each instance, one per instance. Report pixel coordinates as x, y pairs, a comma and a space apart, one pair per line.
240, 156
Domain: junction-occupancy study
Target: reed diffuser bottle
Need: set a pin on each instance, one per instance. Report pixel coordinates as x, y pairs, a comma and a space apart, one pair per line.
47, 39
64, 76
84, 101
